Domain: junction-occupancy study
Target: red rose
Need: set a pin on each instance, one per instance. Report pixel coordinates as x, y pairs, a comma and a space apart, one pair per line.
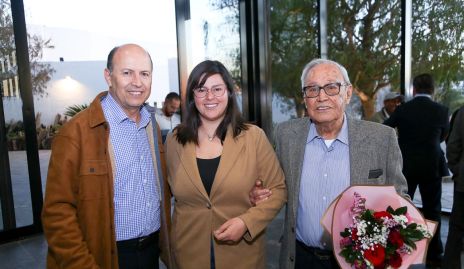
354, 234
376, 256
395, 260
395, 238
381, 214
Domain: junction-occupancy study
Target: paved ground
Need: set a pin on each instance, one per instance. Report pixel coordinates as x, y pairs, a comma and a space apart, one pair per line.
31, 252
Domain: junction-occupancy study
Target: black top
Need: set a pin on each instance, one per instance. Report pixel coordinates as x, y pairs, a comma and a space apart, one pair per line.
207, 169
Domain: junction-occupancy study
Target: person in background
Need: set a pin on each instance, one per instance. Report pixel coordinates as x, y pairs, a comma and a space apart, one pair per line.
107, 204
167, 117
455, 156
214, 159
422, 125
390, 102
321, 156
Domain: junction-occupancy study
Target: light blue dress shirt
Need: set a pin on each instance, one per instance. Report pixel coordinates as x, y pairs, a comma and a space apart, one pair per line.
136, 195
325, 174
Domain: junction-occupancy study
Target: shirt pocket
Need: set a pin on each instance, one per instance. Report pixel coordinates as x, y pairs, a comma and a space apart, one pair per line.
93, 180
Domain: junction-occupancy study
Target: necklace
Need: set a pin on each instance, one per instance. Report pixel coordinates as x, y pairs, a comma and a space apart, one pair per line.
210, 138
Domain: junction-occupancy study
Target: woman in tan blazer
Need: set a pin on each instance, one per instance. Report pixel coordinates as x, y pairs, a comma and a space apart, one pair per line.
214, 159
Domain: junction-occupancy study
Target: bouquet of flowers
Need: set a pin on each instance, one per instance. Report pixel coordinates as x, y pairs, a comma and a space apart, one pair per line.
374, 227
379, 239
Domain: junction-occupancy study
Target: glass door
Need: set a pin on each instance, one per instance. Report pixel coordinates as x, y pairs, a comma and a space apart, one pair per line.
20, 187
209, 30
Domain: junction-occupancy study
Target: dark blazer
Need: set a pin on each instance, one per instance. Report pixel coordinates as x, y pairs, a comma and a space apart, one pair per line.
455, 151
375, 159
422, 125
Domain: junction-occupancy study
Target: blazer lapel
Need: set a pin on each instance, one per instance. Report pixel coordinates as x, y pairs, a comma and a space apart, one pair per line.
230, 153
187, 156
297, 145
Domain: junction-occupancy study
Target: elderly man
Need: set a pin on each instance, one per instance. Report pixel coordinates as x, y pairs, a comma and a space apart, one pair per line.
321, 156
390, 102
106, 202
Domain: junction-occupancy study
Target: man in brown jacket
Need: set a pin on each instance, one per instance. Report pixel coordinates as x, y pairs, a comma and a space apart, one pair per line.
106, 201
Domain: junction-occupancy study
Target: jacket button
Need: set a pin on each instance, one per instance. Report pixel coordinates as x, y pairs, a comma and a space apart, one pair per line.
208, 205
291, 258
293, 229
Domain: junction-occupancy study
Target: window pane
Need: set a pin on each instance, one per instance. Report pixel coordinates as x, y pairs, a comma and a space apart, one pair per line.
365, 38
293, 44
12, 107
437, 47
76, 47
213, 33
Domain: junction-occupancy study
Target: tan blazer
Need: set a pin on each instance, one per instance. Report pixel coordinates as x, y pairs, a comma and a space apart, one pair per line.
244, 159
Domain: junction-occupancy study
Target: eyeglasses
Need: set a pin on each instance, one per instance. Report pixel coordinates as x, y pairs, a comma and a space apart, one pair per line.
330, 89
217, 91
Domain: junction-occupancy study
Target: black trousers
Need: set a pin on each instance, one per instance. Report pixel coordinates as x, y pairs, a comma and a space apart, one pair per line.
453, 249
139, 253
313, 258
430, 191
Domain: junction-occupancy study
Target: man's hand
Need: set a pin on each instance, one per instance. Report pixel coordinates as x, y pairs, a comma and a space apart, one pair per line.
258, 193
231, 231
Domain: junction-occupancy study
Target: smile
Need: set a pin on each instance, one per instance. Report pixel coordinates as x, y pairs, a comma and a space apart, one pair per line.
211, 106
323, 108
135, 93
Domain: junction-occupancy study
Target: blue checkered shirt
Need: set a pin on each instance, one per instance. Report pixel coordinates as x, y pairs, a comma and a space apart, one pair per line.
325, 174
136, 195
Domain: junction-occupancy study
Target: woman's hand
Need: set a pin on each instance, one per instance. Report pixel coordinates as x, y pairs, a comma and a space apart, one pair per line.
232, 230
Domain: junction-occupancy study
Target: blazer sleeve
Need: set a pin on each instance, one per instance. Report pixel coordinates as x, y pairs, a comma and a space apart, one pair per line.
446, 125
269, 171
59, 214
394, 175
164, 243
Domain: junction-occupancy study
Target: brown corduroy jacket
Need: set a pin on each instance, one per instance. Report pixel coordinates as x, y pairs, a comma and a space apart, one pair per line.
78, 212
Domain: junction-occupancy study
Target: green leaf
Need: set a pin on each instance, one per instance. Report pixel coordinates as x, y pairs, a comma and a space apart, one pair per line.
73, 110
390, 210
401, 211
345, 233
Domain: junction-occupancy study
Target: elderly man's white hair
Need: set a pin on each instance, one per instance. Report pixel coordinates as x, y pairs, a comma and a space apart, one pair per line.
316, 62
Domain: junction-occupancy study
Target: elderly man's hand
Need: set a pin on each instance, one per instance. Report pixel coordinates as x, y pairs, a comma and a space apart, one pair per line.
258, 193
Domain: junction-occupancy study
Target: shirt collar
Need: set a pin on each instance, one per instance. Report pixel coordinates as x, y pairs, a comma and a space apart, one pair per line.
385, 113
117, 114
342, 136
423, 95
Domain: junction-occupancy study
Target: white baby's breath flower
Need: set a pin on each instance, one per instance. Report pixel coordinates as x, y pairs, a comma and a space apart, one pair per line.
405, 249
423, 229
401, 220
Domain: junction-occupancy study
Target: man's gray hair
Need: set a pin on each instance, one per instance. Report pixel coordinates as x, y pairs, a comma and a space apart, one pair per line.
313, 63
